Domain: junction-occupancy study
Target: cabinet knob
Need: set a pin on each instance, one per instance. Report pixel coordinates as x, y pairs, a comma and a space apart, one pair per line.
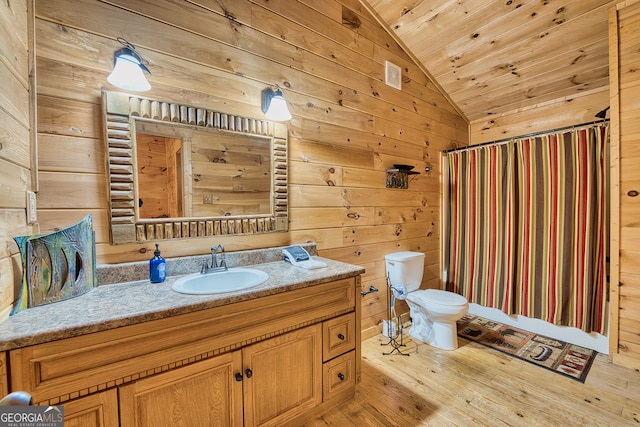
341, 376
340, 336
248, 372
238, 376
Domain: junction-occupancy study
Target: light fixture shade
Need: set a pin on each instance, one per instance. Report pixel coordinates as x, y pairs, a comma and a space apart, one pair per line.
274, 106
128, 71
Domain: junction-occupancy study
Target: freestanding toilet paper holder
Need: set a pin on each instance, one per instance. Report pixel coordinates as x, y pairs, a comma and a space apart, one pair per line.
393, 340
393, 327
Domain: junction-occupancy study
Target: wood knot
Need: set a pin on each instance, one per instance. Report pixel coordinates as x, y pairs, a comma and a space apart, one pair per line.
350, 19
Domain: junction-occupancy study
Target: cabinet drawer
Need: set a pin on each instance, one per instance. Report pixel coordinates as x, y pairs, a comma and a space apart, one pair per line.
338, 376
338, 336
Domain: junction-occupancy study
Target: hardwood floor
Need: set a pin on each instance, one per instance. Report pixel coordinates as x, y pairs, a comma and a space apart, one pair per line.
478, 386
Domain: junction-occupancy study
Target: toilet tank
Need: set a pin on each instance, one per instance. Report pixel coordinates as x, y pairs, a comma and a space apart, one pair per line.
406, 269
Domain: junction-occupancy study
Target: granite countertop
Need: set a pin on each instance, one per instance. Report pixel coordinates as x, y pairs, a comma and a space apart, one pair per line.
121, 304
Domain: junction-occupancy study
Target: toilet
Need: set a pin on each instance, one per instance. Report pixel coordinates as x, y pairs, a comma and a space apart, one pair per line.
433, 312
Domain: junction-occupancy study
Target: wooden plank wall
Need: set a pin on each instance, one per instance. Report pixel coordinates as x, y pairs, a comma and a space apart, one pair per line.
561, 112
624, 29
15, 154
348, 127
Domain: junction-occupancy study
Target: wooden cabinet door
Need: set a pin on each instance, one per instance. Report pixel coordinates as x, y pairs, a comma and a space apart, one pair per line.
205, 393
95, 410
4, 383
282, 377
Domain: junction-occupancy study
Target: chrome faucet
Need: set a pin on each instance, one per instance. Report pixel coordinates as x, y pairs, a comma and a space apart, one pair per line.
214, 259
215, 264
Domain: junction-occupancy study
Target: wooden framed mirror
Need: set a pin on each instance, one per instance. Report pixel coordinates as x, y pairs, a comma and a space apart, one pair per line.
177, 171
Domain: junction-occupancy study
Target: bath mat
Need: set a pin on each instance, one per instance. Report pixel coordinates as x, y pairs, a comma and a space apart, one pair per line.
564, 358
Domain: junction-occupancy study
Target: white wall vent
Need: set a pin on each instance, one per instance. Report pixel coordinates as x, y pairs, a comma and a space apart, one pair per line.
392, 75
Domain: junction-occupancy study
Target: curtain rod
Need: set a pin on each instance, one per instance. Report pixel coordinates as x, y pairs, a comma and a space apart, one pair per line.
544, 132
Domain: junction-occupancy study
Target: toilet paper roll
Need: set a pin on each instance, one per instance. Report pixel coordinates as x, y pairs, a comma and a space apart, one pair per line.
399, 291
389, 329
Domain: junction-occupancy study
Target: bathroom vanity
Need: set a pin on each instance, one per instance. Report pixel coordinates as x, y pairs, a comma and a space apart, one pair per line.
141, 354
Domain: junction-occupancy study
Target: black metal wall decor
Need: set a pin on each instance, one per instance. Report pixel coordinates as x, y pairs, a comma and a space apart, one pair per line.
398, 177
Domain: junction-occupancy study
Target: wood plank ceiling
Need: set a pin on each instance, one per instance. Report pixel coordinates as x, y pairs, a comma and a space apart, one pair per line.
497, 56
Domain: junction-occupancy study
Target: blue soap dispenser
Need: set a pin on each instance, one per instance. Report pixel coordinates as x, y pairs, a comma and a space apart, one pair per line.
157, 267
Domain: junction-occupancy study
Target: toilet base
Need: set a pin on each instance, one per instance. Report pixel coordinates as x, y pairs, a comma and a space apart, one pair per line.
434, 314
442, 335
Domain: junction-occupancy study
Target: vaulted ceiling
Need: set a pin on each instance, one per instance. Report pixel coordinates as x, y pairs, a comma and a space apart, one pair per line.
495, 56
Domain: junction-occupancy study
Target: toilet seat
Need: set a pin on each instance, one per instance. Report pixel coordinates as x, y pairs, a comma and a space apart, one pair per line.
426, 297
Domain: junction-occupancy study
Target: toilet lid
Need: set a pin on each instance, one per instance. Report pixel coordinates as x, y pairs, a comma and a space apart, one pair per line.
435, 296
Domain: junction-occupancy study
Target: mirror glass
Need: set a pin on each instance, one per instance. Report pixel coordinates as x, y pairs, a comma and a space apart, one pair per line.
179, 171
190, 172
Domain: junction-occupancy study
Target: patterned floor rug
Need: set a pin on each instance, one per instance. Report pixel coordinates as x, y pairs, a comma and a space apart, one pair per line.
567, 359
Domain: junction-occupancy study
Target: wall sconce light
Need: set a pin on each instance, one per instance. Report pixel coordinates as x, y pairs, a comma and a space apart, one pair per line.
128, 69
274, 106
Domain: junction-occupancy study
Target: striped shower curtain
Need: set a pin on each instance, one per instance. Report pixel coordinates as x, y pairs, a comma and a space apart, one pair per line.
543, 227
481, 228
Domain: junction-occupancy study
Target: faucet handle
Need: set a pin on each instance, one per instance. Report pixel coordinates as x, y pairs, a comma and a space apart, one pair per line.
223, 259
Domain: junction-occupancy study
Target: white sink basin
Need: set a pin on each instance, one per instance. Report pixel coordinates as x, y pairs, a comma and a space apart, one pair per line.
234, 279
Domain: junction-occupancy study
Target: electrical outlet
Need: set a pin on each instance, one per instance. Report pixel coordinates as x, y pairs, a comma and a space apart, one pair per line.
32, 214
207, 199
